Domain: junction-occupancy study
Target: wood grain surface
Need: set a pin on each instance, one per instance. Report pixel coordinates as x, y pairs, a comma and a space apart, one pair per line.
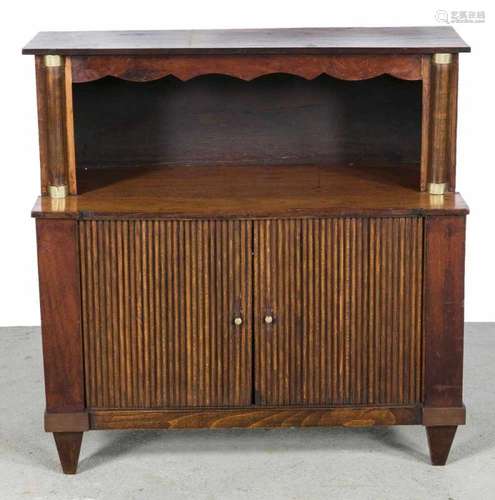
159, 300
222, 192
444, 310
220, 120
255, 418
143, 69
346, 300
412, 39
55, 122
60, 301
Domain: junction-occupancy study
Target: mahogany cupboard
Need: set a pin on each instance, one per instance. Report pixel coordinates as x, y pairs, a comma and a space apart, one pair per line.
253, 228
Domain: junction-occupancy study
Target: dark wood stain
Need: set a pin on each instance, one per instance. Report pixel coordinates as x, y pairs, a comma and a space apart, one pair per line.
275, 176
444, 310
345, 295
275, 119
58, 268
142, 69
439, 441
401, 40
224, 192
56, 126
159, 299
68, 447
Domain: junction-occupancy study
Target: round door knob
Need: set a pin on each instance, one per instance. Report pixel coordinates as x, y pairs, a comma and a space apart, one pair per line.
268, 320
237, 321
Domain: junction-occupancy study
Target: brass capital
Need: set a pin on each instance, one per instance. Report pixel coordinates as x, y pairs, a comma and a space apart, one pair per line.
53, 61
442, 58
58, 191
437, 187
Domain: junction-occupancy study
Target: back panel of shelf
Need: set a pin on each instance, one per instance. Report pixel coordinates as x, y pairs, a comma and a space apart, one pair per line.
273, 119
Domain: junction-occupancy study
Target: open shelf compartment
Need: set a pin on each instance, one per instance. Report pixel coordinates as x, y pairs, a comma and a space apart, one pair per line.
215, 145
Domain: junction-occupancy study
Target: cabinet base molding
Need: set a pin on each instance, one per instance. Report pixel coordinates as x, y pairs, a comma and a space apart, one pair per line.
66, 422
439, 417
68, 428
255, 418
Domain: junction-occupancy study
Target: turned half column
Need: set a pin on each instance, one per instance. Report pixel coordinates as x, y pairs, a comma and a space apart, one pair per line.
443, 97
53, 125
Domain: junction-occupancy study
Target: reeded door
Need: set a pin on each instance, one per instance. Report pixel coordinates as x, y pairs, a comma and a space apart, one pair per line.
337, 311
167, 313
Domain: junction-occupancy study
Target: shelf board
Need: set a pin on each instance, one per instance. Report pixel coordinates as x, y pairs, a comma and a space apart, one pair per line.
248, 192
395, 40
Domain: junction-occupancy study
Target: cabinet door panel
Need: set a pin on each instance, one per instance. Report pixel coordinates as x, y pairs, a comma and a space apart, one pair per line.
345, 298
159, 300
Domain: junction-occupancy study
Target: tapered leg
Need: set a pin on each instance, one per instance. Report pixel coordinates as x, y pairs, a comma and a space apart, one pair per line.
439, 441
68, 447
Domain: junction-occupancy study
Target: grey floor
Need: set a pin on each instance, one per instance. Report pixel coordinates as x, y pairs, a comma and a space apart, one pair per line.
379, 463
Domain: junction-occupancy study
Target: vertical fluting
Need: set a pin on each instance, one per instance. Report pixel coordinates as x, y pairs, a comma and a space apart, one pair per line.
345, 294
159, 300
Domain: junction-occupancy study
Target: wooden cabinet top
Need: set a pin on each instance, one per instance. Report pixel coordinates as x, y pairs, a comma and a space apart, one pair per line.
398, 40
